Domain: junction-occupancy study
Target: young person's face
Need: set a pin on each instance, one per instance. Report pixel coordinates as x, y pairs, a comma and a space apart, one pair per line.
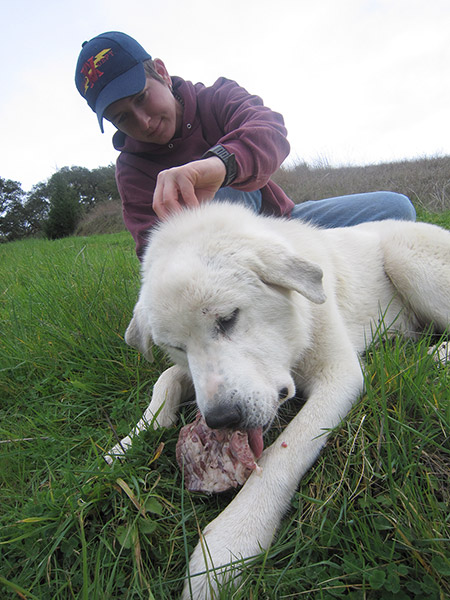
153, 115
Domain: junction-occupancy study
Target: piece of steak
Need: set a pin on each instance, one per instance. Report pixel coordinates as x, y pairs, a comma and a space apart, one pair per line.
216, 460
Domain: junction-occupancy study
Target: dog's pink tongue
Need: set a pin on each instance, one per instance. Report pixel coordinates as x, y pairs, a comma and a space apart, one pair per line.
255, 441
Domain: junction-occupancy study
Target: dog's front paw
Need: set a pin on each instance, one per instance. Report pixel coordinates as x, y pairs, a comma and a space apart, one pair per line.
212, 566
118, 451
441, 354
172, 387
224, 546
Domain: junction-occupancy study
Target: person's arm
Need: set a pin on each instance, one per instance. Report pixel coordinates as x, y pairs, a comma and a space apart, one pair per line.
252, 132
249, 132
188, 185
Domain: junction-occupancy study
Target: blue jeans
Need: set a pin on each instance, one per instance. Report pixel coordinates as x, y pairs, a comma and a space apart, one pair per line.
251, 199
342, 211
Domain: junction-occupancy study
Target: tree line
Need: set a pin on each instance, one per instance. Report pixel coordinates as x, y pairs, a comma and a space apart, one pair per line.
53, 208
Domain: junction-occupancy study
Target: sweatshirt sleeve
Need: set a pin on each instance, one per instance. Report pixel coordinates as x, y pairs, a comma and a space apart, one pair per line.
254, 133
136, 191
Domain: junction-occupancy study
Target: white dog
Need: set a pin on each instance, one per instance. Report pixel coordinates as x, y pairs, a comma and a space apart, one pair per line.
250, 308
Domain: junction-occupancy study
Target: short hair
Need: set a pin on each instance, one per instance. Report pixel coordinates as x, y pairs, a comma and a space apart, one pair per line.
150, 71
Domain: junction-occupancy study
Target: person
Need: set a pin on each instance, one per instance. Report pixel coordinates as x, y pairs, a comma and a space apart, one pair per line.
182, 144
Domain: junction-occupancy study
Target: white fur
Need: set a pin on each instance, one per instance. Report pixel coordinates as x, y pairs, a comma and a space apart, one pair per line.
294, 329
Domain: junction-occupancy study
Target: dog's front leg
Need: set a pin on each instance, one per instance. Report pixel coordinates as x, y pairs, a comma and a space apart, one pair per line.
173, 387
248, 524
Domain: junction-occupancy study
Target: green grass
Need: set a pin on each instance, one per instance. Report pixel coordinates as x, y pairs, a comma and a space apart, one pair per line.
369, 521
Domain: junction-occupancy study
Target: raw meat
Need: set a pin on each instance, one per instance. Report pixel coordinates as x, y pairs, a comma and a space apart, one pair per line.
216, 460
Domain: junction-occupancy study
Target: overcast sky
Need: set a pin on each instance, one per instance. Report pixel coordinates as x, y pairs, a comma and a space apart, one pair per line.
357, 81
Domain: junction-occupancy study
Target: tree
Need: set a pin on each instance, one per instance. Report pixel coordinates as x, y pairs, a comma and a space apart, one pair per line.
36, 208
64, 209
12, 224
92, 187
10, 192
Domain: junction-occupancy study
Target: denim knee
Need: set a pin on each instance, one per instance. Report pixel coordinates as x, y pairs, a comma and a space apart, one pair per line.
345, 211
401, 207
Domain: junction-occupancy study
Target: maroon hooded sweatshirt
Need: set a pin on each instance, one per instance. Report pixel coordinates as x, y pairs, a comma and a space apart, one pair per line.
225, 114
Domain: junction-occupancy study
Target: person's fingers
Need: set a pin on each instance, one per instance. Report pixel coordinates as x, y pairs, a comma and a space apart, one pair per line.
166, 196
187, 186
187, 195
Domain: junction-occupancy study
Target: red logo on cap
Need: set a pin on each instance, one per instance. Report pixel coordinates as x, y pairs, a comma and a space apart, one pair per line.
91, 70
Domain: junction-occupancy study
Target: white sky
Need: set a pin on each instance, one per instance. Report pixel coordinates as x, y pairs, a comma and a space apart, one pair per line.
357, 81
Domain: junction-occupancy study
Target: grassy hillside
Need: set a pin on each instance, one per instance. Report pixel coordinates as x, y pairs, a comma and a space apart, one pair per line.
426, 181
369, 521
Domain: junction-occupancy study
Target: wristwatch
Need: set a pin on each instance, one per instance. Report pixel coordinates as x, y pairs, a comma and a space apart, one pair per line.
228, 159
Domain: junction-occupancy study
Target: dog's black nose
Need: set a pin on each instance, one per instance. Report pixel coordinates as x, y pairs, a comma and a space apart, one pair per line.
223, 417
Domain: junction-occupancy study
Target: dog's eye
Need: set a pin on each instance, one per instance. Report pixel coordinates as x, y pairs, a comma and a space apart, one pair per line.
176, 348
226, 324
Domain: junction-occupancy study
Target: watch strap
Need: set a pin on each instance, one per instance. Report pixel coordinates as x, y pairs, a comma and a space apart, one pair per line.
228, 159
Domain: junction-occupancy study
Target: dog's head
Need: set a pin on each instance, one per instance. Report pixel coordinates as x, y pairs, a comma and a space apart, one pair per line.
228, 299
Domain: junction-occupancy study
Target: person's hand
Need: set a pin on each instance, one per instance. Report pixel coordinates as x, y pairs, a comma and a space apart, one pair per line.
188, 185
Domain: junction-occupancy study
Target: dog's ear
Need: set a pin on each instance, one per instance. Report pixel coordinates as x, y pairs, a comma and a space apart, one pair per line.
285, 269
138, 335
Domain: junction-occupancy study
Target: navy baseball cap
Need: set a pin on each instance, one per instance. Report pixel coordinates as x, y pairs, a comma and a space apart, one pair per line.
110, 68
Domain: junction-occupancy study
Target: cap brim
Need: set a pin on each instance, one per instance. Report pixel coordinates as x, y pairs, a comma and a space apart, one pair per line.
129, 83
